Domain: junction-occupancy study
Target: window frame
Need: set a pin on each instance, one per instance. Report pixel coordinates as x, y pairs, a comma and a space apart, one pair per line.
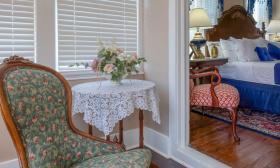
88, 74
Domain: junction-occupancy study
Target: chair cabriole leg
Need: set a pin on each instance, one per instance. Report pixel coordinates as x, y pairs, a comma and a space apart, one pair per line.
234, 115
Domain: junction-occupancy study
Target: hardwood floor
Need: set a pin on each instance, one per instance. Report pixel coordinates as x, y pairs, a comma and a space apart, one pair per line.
159, 161
213, 137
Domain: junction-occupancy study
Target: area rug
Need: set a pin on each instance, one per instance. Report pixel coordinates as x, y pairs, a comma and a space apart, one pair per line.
265, 123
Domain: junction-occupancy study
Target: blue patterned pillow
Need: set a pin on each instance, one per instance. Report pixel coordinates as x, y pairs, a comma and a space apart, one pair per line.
274, 51
263, 54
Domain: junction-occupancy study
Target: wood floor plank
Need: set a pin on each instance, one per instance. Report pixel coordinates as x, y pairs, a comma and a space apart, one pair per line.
213, 137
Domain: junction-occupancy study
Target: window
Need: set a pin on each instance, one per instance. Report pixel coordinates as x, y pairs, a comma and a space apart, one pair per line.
17, 28
261, 10
81, 23
261, 13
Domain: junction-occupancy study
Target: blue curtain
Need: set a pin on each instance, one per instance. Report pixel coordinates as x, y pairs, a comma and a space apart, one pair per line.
221, 5
250, 6
269, 5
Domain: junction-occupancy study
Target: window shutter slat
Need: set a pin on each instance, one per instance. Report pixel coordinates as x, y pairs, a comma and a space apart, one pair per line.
17, 28
81, 23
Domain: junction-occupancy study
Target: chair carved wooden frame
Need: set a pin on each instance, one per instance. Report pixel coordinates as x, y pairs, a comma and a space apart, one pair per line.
213, 72
14, 62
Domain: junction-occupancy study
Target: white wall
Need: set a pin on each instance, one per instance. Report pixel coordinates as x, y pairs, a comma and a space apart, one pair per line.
229, 3
155, 47
276, 9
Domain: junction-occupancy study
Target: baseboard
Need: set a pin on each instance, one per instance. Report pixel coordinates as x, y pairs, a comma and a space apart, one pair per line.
10, 164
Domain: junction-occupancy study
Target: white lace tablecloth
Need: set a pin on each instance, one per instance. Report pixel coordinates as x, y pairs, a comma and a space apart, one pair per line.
104, 103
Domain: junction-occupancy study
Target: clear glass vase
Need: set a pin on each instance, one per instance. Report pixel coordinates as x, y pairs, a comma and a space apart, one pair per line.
116, 81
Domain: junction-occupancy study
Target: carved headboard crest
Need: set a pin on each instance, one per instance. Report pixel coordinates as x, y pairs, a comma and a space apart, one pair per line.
235, 22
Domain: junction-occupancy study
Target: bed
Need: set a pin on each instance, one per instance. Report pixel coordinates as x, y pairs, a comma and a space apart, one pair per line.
257, 82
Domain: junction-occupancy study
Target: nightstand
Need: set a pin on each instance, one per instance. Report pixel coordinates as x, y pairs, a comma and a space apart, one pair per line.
207, 62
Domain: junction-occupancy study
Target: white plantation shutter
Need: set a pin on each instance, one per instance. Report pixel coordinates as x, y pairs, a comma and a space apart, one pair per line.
17, 28
81, 23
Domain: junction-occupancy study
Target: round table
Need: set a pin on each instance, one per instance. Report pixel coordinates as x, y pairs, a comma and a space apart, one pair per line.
104, 103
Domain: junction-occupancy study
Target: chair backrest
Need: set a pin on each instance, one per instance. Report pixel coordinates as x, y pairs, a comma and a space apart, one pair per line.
35, 104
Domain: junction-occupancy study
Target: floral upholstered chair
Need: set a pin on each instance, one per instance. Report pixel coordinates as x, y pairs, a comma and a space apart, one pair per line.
36, 107
216, 94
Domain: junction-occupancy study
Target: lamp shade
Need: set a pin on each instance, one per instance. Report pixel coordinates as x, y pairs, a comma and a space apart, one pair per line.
199, 18
274, 26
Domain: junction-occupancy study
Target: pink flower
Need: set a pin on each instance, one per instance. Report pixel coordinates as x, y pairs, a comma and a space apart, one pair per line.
134, 56
36, 139
42, 128
94, 64
19, 119
78, 155
109, 68
31, 156
45, 81
89, 154
68, 156
119, 50
49, 139
34, 119
33, 98
74, 144
10, 88
50, 98
65, 138
46, 110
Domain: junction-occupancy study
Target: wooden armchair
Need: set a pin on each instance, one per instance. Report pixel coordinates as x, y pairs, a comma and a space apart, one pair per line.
36, 104
215, 94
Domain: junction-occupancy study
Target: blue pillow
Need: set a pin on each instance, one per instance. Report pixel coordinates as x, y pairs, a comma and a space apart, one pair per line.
274, 51
263, 54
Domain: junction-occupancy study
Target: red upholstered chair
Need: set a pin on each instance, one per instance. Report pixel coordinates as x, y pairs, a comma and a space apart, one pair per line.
215, 94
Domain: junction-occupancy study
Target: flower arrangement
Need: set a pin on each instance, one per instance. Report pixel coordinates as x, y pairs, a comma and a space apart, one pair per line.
113, 61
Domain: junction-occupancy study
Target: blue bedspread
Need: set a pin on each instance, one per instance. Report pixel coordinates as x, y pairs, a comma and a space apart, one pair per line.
277, 73
256, 96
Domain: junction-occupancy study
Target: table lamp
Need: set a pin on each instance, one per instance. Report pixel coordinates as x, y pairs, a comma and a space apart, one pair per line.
198, 18
274, 27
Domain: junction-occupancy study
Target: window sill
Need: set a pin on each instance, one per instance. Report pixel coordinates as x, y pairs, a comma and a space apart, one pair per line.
94, 76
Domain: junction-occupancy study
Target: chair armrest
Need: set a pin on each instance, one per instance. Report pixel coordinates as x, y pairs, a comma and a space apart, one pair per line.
206, 69
205, 74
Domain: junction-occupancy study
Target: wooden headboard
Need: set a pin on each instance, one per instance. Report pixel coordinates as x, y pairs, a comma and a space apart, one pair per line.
235, 22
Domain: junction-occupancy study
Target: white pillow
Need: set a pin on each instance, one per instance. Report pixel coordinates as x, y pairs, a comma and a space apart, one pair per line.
260, 42
245, 49
228, 50
218, 45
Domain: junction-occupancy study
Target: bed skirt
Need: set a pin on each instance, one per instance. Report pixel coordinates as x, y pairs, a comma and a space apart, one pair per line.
256, 96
